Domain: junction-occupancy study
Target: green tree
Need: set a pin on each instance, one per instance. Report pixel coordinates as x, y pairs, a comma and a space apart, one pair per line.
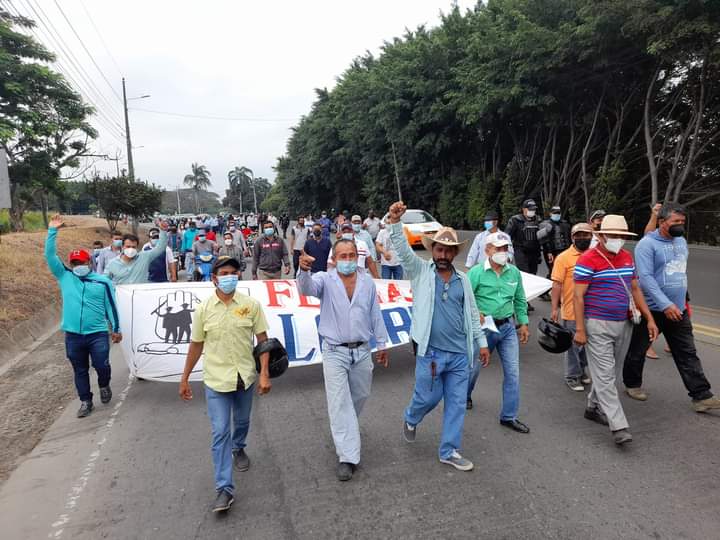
198, 180
118, 196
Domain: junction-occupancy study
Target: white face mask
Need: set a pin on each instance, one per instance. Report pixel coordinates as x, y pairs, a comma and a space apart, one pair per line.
500, 257
530, 213
228, 242
614, 245
130, 253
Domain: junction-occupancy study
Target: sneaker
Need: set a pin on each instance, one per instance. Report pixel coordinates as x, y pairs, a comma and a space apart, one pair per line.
469, 404
241, 461
105, 394
85, 409
409, 432
574, 385
586, 379
345, 471
596, 415
622, 436
457, 461
223, 501
704, 405
636, 393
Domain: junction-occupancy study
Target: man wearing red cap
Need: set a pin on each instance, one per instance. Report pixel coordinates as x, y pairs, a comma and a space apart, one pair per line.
88, 312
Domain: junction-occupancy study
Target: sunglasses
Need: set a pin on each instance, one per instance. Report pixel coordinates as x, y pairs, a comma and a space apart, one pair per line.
446, 287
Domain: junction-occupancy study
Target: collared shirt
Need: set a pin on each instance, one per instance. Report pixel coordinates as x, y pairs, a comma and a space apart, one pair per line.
104, 257
500, 296
373, 226
383, 238
227, 332
343, 320
563, 273
364, 236
363, 252
606, 298
447, 331
320, 250
422, 279
477, 249
136, 271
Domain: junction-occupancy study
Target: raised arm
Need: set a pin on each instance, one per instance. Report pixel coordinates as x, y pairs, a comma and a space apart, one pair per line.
410, 262
309, 284
53, 261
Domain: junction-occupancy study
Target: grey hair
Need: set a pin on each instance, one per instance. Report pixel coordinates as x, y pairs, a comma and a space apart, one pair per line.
344, 241
671, 208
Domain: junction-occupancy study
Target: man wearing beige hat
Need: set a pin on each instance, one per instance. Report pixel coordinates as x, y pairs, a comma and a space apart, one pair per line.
446, 329
607, 301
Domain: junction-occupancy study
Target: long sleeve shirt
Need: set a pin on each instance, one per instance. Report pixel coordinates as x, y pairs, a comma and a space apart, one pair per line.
343, 320
269, 255
500, 296
477, 249
661, 265
422, 278
136, 271
104, 257
88, 303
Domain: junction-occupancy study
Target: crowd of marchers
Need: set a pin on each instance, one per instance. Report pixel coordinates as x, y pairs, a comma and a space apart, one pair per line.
611, 304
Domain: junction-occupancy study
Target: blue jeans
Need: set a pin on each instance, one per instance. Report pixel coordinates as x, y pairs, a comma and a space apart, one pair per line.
391, 272
575, 359
80, 349
508, 347
449, 381
221, 406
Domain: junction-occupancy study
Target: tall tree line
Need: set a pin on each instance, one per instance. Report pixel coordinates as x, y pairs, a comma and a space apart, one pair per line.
611, 104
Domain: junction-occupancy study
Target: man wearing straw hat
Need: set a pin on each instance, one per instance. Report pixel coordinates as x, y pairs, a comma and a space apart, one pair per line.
607, 301
446, 329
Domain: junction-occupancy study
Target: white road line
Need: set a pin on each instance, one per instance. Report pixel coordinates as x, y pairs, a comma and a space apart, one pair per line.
58, 526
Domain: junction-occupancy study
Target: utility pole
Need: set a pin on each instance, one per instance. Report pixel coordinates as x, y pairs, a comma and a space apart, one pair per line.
254, 194
397, 177
131, 166
177, 192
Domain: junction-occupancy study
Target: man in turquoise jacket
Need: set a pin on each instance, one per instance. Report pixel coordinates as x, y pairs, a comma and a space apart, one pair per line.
446, 329
88, 311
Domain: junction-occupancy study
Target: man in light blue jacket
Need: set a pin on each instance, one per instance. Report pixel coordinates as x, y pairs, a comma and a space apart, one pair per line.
446, 330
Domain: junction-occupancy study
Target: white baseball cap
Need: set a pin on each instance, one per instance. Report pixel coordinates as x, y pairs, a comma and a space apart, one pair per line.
498, 239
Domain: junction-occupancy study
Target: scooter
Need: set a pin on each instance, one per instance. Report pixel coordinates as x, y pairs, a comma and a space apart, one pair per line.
203, 267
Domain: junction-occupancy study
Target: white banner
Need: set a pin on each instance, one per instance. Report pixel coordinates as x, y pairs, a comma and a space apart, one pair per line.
156, 318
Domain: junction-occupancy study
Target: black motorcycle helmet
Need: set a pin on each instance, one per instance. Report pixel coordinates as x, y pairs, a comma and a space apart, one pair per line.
553, 337
278, 356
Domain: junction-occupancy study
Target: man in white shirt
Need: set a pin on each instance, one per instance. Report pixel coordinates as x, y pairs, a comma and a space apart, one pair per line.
477, 255
372, 224
390, 267
364, 259
298, 237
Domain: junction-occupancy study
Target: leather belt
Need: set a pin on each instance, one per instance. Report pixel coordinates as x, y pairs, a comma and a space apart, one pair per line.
500, 322
352, 344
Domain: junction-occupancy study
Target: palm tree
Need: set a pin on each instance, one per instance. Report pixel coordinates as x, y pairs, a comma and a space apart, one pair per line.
236, 178
198, 180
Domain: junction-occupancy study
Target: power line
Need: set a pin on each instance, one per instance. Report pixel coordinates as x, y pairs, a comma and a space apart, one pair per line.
102, 40
88, 52
207, 117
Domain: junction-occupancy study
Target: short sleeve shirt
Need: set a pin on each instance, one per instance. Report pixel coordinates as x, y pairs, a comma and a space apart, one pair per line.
563, 273
383, 238
227, 332
606, 298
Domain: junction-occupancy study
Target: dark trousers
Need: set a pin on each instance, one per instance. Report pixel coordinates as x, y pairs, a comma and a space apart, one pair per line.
80, 349
527, 261
679, 337
296, 260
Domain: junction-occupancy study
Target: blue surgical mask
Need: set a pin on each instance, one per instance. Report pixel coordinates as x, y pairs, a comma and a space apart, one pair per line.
81, 271
269, 232
489, 225
153, 241
347, 236
117, 243
227, 284
356, 227
346, 267
202, 238
96, 251
555, 217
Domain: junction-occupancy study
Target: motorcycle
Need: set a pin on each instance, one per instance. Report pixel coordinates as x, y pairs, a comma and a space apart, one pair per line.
203, 267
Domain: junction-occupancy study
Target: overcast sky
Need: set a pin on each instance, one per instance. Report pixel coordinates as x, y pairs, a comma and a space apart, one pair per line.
255, 61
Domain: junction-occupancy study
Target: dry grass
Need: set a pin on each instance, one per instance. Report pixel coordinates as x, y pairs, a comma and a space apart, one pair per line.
26, 284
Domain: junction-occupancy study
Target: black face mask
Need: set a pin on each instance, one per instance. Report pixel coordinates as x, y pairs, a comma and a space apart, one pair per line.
582, 244
676, 230
317, 233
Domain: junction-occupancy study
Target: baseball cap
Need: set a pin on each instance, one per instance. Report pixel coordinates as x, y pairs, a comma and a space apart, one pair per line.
597, 214
224, 260
79, 255
555, 209
498, 239
347, 226
356, 217
581, 227
529, 203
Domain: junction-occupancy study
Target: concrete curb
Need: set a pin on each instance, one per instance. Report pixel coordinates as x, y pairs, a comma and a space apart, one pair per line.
28, 333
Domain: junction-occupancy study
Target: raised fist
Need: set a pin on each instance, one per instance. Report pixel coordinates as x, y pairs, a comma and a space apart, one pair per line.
396, 211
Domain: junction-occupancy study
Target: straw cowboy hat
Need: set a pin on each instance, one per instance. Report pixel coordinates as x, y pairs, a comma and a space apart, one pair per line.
445, 236
613, 224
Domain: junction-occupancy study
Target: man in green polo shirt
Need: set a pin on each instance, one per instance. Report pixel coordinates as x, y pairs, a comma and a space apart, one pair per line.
499, 292
223, 328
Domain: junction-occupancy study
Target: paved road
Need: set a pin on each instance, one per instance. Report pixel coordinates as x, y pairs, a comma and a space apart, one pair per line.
141, 467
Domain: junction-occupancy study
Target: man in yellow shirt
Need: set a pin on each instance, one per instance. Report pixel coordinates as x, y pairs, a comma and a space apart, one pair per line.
562, 293
223, 327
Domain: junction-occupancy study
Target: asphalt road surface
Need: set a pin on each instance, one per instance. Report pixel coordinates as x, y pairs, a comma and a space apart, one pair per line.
141, 468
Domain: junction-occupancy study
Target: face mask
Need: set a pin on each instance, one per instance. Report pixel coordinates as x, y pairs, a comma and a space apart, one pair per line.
228, 242
227, 284
117, 243
81, 271
614, 245
232, 228
153, 241
130, 253
96, 251
356, 227
676, 230
489, 225
317, 234
346, 267
269, 232
500, 257
324, 215
582, 244
201, 238
531, 213
347, 236
555, 217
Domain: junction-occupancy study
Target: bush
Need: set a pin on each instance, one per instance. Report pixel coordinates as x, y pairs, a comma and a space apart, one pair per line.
33, 221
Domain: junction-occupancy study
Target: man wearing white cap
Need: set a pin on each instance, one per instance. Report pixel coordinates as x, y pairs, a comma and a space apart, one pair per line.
498, 289
606, 290
363, 234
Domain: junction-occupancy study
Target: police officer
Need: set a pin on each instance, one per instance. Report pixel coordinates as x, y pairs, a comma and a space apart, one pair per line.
523, 231
554, 237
